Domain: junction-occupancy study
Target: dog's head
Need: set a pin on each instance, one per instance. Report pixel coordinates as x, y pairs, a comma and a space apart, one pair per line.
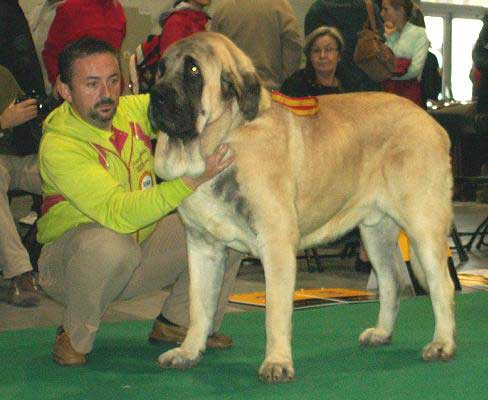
200, 78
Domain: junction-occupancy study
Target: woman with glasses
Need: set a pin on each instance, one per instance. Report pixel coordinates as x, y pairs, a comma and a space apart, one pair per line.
323, 73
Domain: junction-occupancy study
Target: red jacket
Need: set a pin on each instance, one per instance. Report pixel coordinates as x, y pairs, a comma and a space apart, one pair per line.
180, 24
102, 19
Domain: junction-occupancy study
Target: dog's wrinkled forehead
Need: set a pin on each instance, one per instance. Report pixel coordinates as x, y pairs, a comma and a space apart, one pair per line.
173, 62
212, 51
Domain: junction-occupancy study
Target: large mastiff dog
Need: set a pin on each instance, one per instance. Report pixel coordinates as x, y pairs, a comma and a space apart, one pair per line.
371, 159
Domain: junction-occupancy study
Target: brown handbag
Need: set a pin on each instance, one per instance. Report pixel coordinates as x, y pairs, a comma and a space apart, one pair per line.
371, 54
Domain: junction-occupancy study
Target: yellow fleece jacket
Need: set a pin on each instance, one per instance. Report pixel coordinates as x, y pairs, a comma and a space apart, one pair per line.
92, 175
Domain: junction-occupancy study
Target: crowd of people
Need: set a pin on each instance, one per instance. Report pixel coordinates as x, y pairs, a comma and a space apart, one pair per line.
107, 226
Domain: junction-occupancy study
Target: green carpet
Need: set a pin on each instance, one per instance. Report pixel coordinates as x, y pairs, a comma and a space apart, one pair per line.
329, 363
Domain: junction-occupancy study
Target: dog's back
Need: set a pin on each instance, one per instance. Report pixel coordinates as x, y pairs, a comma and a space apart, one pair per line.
359, 154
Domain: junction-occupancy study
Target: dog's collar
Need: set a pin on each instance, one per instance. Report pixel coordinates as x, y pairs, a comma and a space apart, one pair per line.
302, 106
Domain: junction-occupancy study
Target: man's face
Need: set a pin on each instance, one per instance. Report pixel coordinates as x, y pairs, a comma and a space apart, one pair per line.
94, 89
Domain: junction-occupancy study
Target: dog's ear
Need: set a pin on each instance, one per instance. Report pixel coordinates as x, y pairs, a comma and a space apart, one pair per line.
249, 96
247, 90
227, 85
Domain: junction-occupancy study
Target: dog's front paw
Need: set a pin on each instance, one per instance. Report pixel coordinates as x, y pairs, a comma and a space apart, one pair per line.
438, 350
178, 358
374, 337
272, 372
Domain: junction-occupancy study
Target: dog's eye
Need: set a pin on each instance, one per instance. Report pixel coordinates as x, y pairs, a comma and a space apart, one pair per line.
192, 70
192, 77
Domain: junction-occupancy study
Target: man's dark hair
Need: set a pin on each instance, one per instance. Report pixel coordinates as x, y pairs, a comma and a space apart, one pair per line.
80, 48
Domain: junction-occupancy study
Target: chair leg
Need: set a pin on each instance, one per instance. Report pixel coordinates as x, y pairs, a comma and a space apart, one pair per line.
483, 233
308, 257
463, 256
318, 262
477, 232
453, 274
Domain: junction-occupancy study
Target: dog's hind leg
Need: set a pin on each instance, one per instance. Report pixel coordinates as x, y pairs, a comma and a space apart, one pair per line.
207, 260
380, 241
430, 249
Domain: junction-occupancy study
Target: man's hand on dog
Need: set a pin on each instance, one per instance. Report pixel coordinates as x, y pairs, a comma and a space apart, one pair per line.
215, 163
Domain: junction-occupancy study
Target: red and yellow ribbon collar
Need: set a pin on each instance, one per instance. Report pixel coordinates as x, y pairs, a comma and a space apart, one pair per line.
302, 106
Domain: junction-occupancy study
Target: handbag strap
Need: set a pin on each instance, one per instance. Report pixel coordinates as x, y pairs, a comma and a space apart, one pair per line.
372, 20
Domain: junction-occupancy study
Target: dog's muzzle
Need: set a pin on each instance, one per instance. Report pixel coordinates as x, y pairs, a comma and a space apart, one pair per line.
171, 113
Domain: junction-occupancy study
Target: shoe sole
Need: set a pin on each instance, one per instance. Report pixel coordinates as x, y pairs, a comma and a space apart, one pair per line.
58, 360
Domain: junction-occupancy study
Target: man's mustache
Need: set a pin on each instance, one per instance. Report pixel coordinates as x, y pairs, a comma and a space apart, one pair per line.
105, 102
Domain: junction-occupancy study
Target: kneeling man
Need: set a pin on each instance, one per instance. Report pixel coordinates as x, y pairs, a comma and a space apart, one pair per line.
102, 226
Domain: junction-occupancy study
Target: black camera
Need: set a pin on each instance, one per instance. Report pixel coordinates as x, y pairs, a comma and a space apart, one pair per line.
28, 135
45, 104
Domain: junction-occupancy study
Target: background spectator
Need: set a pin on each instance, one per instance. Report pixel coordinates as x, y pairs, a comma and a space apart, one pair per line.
431, 80
410, 45
40, 20
18, 55
185, 18
348, 16
101, 19
323, 73
17, 50
480, 62
267, 31
20, 173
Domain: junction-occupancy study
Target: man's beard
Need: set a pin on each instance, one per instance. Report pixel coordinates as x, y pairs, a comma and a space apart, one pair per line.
96, 116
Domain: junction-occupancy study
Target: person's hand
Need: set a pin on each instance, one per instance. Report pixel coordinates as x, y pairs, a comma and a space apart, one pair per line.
401, 66
389, 28
215, 163
17, 114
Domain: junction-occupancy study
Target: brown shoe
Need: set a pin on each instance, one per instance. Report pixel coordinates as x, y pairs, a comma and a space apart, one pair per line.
164, 333
63, 352
218, 341
23, 291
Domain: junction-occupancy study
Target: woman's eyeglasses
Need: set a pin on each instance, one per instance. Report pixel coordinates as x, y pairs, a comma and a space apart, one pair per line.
326, 50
